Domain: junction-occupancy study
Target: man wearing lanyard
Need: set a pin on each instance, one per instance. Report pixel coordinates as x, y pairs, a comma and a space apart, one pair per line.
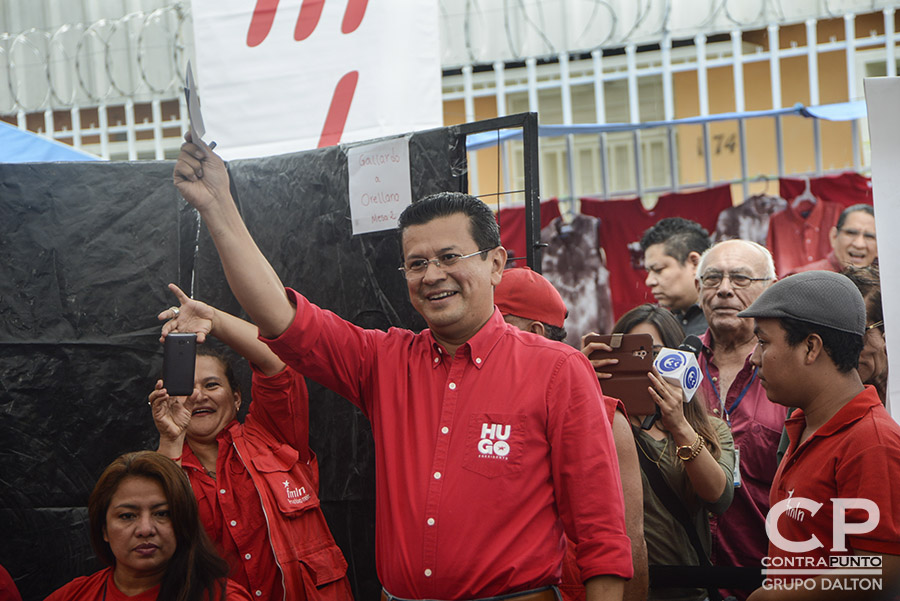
489, 442
730, 276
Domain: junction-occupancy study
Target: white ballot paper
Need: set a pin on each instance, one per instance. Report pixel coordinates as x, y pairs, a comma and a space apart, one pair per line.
379, 184
193, 105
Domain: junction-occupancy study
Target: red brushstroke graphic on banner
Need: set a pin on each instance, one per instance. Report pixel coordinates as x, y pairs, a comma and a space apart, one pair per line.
307, 21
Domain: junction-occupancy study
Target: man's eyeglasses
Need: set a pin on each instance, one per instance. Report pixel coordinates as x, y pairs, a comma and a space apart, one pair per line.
713, 279
416, 268
872, 326
851, 233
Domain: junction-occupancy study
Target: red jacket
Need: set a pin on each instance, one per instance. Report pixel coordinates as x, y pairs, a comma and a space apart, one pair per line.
263, 508
301, 541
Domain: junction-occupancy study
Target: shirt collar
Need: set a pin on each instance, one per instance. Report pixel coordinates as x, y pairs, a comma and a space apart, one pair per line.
477, 348
858, 407
815, 214
688, 313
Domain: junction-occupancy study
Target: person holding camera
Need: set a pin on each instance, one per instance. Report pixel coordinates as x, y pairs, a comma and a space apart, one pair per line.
256, 483
687, 462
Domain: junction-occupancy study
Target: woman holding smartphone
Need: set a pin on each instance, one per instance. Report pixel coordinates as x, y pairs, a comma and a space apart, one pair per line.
256, 483
686, 458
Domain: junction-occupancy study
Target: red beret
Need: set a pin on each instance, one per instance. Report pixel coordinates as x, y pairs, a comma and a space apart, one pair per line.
528, 294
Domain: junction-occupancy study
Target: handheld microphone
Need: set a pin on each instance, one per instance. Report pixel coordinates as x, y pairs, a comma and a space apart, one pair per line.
679, 367
691, 344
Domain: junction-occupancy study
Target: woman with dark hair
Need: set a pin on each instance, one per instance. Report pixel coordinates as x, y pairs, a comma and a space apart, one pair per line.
687, 462
145, 527
256, 483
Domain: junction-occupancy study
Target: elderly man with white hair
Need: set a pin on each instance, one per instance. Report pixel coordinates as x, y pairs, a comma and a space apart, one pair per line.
730, 276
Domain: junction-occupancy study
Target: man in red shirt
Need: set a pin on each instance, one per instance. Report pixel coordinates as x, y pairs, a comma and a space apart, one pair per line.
529, 301
731, 275
490, 442
853, 241
832, 495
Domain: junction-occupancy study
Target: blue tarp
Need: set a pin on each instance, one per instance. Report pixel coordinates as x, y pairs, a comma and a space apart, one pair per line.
844, 111
18, 146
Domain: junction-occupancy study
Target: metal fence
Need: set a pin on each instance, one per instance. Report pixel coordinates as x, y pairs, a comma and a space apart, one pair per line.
113, 87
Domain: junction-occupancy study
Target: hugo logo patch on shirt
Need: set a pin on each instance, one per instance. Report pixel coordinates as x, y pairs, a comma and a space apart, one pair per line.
494, 443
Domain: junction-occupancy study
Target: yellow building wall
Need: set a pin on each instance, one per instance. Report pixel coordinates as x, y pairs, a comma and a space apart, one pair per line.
488, 158
797, 132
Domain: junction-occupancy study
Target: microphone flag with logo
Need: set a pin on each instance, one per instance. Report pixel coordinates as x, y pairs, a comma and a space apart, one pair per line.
680, 368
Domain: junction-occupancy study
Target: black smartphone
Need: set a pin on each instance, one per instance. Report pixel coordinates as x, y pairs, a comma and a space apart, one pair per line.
179, 358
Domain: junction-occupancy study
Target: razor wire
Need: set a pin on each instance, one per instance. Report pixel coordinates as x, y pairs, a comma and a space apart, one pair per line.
139, 56
142, 55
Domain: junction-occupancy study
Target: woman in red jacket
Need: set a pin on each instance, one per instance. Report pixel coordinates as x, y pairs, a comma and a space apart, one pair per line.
256, 483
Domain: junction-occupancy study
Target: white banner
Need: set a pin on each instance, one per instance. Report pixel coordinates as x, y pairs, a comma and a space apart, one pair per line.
281, 76
882, 100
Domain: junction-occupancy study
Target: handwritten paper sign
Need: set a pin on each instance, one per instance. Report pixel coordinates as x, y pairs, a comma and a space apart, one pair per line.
379, 184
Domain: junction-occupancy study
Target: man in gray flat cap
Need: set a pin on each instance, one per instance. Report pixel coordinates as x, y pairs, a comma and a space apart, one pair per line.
835, 493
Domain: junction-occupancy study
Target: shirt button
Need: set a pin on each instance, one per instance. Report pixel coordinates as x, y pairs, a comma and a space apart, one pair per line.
478, 360
444, 430
221, 491
431, 521
258, 593
233, 523
437, 475
452, 385
436, 359
428, 572
247, 556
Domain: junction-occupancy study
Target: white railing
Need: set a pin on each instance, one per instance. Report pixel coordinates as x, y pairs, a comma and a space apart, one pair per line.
113, 88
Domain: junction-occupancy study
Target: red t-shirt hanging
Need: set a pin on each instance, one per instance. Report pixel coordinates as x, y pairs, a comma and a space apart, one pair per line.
795, 240
844, 189
512, 227
623, 223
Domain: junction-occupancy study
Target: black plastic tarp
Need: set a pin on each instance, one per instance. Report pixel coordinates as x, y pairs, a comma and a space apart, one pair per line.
87, 250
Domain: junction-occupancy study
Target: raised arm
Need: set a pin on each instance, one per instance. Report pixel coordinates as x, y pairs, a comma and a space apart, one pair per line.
202, 319
202, 180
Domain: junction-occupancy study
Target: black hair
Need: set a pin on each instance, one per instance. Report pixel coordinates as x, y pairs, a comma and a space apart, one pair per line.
853, 209
868, 281
208, 351
482, 224
555, 333
662, 319
680, 237
842, 347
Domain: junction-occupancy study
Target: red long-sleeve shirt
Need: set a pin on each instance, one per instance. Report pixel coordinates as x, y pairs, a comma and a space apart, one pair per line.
481, 459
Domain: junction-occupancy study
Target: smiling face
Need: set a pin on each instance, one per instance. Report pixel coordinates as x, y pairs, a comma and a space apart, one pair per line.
139, 530
671, 282
855, 242
217, 404
722, 304
455, 301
